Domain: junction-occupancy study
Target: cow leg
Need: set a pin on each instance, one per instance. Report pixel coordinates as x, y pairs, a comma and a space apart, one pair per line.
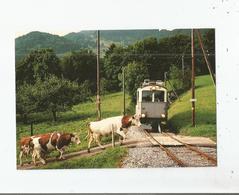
97, 139
34, 157
38, 154
90, 140
61, 153
20, 157
121, 134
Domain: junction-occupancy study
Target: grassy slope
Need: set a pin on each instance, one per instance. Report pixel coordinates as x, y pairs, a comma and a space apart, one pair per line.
180, 111
76, 121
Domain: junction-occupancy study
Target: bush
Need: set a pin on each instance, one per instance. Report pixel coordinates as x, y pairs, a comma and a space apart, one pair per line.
181, 82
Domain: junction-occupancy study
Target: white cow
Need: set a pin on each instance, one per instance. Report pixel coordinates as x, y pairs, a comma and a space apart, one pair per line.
107, 126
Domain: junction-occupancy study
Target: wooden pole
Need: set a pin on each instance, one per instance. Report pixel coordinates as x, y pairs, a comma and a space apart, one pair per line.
98, 76
205, 57
193, 78
31, 128
123, 91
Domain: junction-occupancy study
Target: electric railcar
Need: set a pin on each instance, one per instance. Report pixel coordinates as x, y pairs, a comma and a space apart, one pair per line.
152, 103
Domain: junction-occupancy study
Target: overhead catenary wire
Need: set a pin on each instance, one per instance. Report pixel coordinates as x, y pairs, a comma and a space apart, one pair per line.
135, 54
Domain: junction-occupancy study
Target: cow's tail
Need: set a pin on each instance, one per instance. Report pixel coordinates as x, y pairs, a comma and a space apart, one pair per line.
89, 132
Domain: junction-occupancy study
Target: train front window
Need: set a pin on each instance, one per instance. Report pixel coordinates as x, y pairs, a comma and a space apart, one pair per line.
159, 96
147, 96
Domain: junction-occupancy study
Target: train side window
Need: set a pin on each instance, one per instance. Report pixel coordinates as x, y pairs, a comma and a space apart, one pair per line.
147, 96
159, 96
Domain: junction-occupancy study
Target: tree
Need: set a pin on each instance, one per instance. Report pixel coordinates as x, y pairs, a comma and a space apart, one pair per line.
114, 60
135, 73
80, 66
209, 43
51, 94
38, 63
56, 94
26, 101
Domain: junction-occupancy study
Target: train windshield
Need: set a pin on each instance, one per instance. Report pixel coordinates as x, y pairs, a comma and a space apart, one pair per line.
147, 96
152, 96
159, 96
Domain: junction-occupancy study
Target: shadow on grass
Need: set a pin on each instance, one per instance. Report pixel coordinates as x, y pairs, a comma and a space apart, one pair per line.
184, 120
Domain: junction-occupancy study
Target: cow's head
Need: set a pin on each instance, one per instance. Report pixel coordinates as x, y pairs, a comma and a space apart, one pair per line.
136, 120
128, 121
75, 138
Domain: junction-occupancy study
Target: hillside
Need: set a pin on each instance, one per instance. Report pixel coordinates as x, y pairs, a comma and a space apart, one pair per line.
85, 39
180, 111
34, 40
124, 37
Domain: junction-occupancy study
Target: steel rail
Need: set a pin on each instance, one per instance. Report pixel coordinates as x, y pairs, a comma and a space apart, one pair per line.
193, 148
168, 152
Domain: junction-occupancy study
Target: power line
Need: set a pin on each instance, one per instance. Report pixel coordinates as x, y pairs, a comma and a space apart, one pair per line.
145, 54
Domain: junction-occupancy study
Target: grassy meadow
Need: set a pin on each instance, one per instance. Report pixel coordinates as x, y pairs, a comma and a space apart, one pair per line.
180, 111
76, 121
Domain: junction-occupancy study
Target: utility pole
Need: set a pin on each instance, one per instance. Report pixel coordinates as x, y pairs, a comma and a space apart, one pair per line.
193, 78
205, 57
98, 76
183, 64
165, 77
124, 90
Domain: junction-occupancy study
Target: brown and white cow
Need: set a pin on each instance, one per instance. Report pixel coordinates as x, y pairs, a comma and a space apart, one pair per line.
25, 147
117, 124
51, 141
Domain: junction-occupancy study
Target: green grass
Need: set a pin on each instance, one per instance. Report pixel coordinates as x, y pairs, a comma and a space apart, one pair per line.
180, 111
75, 120
109, 158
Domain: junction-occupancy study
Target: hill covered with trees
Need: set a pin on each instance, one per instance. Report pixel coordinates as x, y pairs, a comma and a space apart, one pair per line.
86, 40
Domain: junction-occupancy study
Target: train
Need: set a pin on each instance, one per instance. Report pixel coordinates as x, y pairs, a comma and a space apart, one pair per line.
152, 104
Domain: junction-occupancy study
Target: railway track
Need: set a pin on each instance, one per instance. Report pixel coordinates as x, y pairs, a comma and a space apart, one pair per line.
195, 149
173, 156
144, 142
168, 152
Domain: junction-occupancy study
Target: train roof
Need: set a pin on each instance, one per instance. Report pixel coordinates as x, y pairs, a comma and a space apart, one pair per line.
148, 84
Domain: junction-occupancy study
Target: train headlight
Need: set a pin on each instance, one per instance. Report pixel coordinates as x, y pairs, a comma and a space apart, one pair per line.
163, 115
143, 115
153, 88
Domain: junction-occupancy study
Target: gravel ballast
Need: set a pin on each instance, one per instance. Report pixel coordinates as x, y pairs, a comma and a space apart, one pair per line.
154, 157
